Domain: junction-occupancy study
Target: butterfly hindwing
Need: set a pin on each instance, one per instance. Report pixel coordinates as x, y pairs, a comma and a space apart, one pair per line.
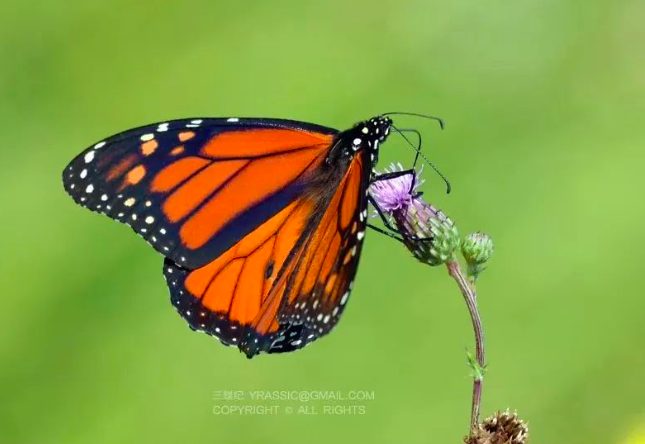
286, 283
227, 296
194, 187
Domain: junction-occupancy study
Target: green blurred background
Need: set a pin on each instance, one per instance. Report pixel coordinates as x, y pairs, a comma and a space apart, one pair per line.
544, 103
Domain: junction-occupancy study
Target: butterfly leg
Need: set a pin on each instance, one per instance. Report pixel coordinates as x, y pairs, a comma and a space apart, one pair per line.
393, 175
387, 233
393, 233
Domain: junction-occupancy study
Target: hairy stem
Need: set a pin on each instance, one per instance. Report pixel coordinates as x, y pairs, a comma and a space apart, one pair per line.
470, 296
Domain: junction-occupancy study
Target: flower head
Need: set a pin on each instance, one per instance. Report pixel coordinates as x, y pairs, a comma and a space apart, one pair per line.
427, 232
396, 193
501, 428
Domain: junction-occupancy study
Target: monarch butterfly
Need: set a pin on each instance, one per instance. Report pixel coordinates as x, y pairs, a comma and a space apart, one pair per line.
261, 221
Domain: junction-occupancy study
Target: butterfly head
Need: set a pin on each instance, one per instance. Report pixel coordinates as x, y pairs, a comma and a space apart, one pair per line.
364, 136
375, 130
370, 133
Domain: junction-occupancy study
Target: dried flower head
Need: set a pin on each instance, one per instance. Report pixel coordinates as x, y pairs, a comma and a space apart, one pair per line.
427, 232
501, 428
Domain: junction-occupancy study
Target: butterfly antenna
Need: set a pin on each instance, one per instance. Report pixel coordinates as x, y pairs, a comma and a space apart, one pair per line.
425, 116
419, 153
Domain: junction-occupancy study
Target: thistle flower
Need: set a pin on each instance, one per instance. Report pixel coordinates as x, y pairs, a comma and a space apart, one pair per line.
426, 231
501, 428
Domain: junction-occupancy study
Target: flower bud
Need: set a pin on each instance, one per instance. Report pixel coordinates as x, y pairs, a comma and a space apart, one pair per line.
477, 249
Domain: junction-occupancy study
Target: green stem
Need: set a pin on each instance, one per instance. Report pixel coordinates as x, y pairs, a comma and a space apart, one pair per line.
470, 296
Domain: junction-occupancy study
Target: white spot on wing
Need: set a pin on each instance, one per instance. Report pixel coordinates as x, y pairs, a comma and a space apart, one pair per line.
147, 137
89, 157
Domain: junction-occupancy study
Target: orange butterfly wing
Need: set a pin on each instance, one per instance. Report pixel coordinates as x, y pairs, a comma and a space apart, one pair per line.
286, 283
192, 188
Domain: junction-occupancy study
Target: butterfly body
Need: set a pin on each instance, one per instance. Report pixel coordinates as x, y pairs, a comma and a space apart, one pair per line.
260, 221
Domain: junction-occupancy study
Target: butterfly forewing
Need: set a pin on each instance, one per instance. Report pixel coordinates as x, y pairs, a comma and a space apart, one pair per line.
192, 188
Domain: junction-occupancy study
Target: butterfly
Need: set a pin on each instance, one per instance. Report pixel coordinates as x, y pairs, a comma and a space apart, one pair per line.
261, 221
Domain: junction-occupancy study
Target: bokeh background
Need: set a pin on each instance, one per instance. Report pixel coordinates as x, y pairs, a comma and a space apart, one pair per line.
544, 103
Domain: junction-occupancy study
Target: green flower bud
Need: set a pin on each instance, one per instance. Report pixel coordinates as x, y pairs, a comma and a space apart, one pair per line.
477, 249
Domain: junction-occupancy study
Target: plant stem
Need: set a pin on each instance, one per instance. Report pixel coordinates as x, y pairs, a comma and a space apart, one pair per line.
470, 296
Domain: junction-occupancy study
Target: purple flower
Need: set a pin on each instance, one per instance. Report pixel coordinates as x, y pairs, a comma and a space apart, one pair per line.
426, 231
397, 193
